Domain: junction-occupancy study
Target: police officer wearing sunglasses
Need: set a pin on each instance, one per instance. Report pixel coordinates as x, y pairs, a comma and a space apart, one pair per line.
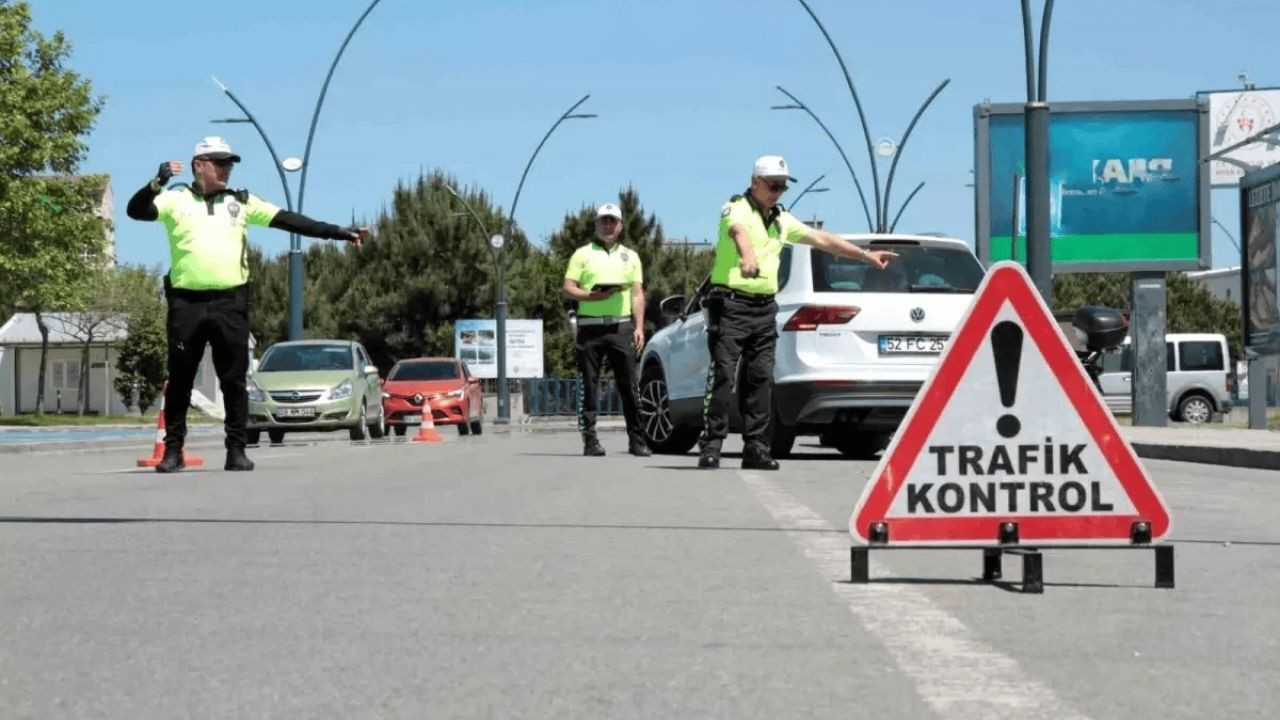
207, 287
741, 312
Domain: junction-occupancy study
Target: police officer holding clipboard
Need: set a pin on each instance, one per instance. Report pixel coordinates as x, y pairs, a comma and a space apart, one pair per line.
741, 312
606, 279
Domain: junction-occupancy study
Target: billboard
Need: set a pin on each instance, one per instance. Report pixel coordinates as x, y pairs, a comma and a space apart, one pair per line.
476, 343
1259, 220
1235, 116
1127, 189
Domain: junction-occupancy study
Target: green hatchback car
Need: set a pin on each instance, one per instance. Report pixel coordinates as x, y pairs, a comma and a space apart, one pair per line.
315, 385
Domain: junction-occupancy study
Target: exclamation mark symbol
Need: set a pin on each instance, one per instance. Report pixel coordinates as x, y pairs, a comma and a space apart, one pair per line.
1006, 345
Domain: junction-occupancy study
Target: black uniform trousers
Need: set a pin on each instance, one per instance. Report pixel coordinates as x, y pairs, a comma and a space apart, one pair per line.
739, 327
219, 318
611, 341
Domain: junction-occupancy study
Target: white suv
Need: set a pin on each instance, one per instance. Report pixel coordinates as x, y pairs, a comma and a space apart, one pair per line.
854, 345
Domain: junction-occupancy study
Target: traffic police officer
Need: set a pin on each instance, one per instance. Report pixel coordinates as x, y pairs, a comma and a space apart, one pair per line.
606, 279
741, 312
207, 287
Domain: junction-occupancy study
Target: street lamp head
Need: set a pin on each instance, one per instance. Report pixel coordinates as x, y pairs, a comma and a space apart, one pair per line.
291, 164
580, 116
231, 120
786, 107
497, 241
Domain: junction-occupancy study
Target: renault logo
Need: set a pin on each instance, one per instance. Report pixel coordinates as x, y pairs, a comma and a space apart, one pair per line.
917, 314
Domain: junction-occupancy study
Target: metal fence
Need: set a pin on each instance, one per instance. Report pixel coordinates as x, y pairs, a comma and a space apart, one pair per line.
559, 396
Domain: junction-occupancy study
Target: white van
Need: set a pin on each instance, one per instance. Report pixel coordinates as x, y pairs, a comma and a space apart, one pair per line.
1198, 381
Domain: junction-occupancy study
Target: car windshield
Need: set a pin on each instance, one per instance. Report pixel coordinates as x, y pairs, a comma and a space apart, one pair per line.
425, 371
918, 268
293, 358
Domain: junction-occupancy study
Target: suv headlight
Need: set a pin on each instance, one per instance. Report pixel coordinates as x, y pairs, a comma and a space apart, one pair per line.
341, 390
255, 392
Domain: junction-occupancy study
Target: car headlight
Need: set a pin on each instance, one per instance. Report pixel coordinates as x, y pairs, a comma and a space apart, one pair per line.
386, 396
255, 392
341, 390
454, 394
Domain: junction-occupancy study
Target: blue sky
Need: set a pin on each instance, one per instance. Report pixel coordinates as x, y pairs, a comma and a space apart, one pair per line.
682, 89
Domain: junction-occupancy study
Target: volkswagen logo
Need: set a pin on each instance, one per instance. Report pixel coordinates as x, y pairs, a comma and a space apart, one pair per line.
917, 314
295, 396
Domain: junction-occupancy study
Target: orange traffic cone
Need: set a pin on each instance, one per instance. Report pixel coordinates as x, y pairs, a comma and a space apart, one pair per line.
157, 453
427, 432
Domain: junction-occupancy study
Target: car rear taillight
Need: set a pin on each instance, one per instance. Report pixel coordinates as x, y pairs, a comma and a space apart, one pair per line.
810, 317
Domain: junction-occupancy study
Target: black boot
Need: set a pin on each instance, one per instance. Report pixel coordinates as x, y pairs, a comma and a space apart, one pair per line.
638, 448
709, 459
591, 447
754, 458
237, 460
172, 461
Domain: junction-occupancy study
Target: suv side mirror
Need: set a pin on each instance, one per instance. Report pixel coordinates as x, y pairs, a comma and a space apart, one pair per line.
370, 369
672, 307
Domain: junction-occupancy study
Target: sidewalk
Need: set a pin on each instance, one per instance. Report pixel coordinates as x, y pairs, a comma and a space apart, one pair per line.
1216, 446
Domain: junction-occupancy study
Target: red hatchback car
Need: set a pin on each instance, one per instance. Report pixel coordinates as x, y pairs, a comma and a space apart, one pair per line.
440, 385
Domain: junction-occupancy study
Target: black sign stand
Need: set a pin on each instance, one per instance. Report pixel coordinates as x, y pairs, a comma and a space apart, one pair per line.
1007, 544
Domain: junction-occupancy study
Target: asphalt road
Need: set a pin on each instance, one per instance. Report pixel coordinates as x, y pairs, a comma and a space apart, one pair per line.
507, 576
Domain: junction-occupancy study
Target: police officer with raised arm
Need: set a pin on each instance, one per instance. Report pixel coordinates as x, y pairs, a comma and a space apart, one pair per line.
207, 287
606, 279
741, 312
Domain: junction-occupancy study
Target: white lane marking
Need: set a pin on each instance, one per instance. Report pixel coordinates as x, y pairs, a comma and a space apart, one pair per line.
957, 674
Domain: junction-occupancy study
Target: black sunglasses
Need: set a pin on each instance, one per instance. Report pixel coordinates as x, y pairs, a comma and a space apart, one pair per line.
776, 186
220, 162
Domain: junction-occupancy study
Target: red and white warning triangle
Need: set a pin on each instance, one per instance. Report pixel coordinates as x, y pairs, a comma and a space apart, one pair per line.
1008, 428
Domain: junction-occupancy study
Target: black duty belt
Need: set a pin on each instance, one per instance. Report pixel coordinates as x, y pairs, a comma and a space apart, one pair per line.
603, 320
722, 292
198, 295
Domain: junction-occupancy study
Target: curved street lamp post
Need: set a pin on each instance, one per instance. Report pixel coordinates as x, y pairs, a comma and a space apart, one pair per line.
1036, 114
808, 189
882, 224
495, 244
295, 241
504, 393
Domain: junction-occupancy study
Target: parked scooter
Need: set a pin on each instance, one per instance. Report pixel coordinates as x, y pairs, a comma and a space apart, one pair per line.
1101, 330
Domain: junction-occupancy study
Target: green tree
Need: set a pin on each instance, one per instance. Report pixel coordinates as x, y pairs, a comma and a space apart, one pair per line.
50, 229
428, 266
1189, 305
269, 314
112, 296
143, 357
54, 242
